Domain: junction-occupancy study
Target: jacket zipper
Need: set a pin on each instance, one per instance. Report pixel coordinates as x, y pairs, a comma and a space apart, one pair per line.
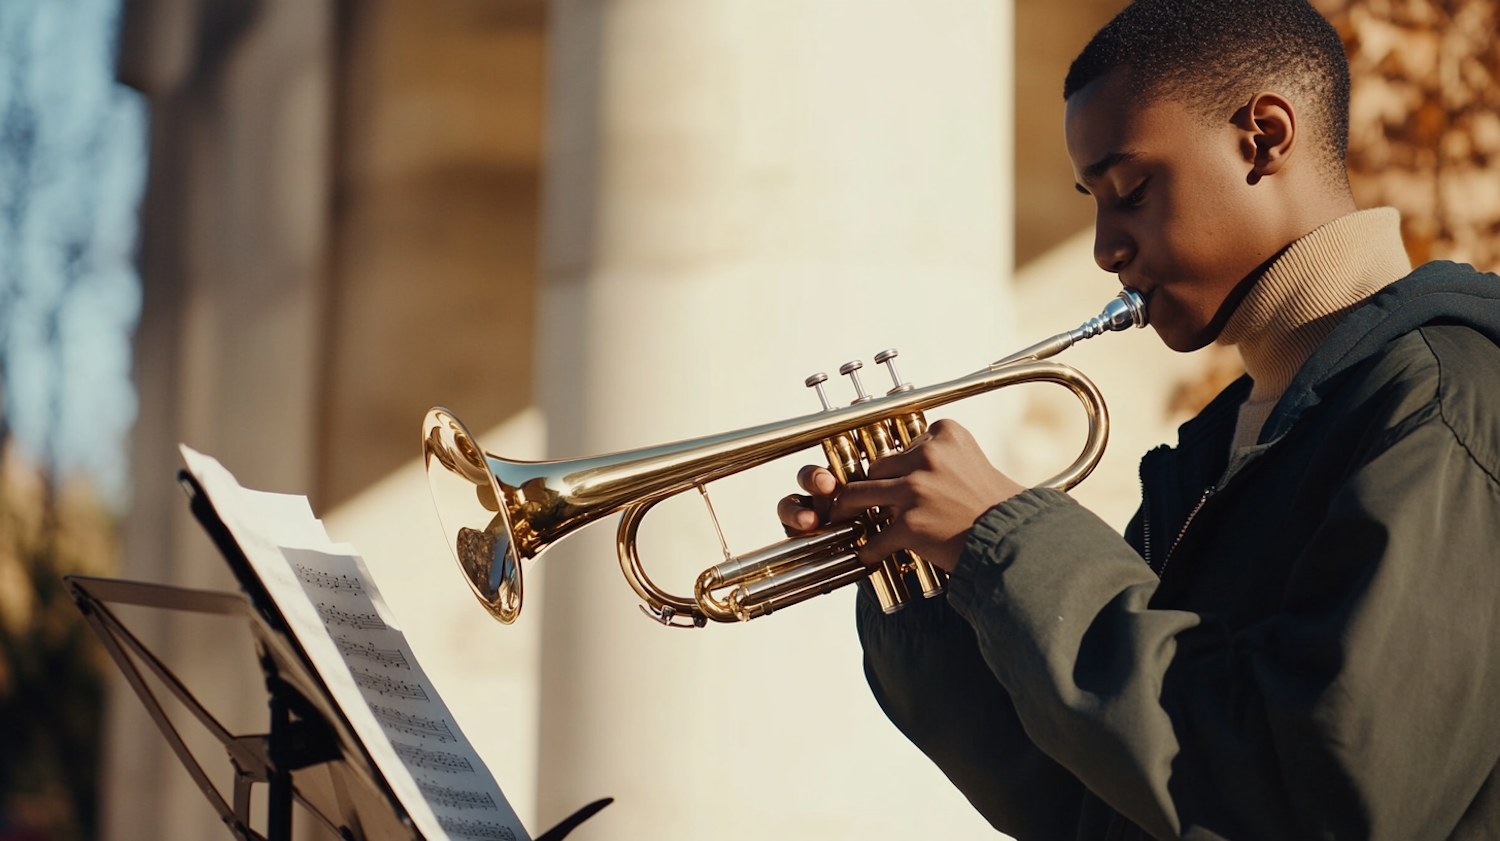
1207, 492
1145, 524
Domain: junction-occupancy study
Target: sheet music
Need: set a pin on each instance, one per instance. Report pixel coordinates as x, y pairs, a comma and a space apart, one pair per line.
334, 609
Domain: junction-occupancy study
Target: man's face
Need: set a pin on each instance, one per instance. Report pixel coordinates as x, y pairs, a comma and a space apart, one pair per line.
1175, 217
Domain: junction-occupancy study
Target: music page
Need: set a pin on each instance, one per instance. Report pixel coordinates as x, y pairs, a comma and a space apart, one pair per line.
329, 600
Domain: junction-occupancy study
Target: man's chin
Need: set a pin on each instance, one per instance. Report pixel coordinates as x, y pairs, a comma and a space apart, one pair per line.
1184, 341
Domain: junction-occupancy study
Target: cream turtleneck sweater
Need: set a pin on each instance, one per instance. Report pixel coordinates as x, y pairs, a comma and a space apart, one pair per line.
1302, 296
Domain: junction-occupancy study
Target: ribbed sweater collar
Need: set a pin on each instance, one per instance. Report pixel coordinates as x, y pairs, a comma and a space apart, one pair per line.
1306, 292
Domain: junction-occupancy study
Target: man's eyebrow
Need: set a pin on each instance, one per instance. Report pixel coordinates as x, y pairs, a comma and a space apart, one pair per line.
1095, 171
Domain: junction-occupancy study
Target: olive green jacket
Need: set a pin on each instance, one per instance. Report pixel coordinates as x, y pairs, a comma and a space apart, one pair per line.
1299, 642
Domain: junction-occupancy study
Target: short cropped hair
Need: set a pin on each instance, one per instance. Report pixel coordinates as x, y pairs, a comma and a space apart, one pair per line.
1214, 54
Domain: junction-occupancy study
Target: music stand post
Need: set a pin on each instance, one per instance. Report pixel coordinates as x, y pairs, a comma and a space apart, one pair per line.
309, 754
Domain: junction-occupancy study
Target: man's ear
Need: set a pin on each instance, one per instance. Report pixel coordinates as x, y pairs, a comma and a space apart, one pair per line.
1268, 134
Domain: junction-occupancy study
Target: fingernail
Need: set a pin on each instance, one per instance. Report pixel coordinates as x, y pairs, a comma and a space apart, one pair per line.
807, 519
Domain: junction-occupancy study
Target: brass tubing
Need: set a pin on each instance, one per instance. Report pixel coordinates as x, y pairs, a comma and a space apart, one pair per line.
723, 608
747, 596
768, 559
661, 602
832, 574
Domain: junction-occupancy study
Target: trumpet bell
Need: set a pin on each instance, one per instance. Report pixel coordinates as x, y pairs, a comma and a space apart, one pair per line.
475, 520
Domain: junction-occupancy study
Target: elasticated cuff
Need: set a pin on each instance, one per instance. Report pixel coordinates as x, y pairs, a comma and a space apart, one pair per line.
990, 531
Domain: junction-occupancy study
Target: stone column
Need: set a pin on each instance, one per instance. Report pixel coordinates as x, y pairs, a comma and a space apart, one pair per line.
737, 195
232, 254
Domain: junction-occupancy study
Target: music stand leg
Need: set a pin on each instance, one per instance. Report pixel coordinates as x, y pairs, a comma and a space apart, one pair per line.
279, 796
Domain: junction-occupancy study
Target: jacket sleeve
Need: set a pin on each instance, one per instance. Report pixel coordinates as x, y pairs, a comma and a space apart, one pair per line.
924, 667
1363, 708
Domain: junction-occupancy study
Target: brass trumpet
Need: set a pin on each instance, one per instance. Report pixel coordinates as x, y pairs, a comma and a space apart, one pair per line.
496, 512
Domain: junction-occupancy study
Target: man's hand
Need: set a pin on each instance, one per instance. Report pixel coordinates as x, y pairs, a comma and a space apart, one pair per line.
932, 492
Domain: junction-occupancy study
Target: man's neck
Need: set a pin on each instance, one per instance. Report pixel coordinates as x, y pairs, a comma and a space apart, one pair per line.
1303, 295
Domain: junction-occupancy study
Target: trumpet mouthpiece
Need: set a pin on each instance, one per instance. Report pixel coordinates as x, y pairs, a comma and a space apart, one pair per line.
1127, 310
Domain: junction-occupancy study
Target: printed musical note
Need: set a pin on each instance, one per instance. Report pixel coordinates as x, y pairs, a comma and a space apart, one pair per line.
392, 657
415, 725
484, 830
328, 581
359, 621
390, 686
435, 760
456, 798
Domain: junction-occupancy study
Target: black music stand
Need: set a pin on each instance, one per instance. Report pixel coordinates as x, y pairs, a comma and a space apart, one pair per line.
310, 755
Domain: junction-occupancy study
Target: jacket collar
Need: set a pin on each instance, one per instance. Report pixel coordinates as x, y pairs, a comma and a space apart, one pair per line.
1438, 292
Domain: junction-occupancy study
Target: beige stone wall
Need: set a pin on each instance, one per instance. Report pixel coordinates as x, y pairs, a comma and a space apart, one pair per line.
1048, 36
434, 214
1425, 120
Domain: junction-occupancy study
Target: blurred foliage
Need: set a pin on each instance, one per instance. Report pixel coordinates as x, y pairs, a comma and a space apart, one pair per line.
72, 158
1425, 120
51, 665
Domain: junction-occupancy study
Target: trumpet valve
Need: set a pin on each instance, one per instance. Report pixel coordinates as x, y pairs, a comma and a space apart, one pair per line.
850, 369
815, 382
887, 358
931, 579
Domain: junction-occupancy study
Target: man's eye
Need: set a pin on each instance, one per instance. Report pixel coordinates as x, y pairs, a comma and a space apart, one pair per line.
1136, 196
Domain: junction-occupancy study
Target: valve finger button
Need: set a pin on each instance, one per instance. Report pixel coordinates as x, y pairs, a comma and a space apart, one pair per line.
887, 358
850, 369
816, 382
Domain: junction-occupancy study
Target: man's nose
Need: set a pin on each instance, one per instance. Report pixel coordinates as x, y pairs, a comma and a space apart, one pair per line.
1113, 249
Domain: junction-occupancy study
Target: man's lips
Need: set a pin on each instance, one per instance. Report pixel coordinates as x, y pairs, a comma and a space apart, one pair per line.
1144, 290
1141, 288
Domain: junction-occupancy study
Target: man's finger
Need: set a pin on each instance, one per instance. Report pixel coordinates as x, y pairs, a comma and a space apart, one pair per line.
896, 464
817, 480
797, 514
879, 546
854, 498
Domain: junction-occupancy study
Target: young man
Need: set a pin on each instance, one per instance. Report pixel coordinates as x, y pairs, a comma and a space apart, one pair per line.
1294, 638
